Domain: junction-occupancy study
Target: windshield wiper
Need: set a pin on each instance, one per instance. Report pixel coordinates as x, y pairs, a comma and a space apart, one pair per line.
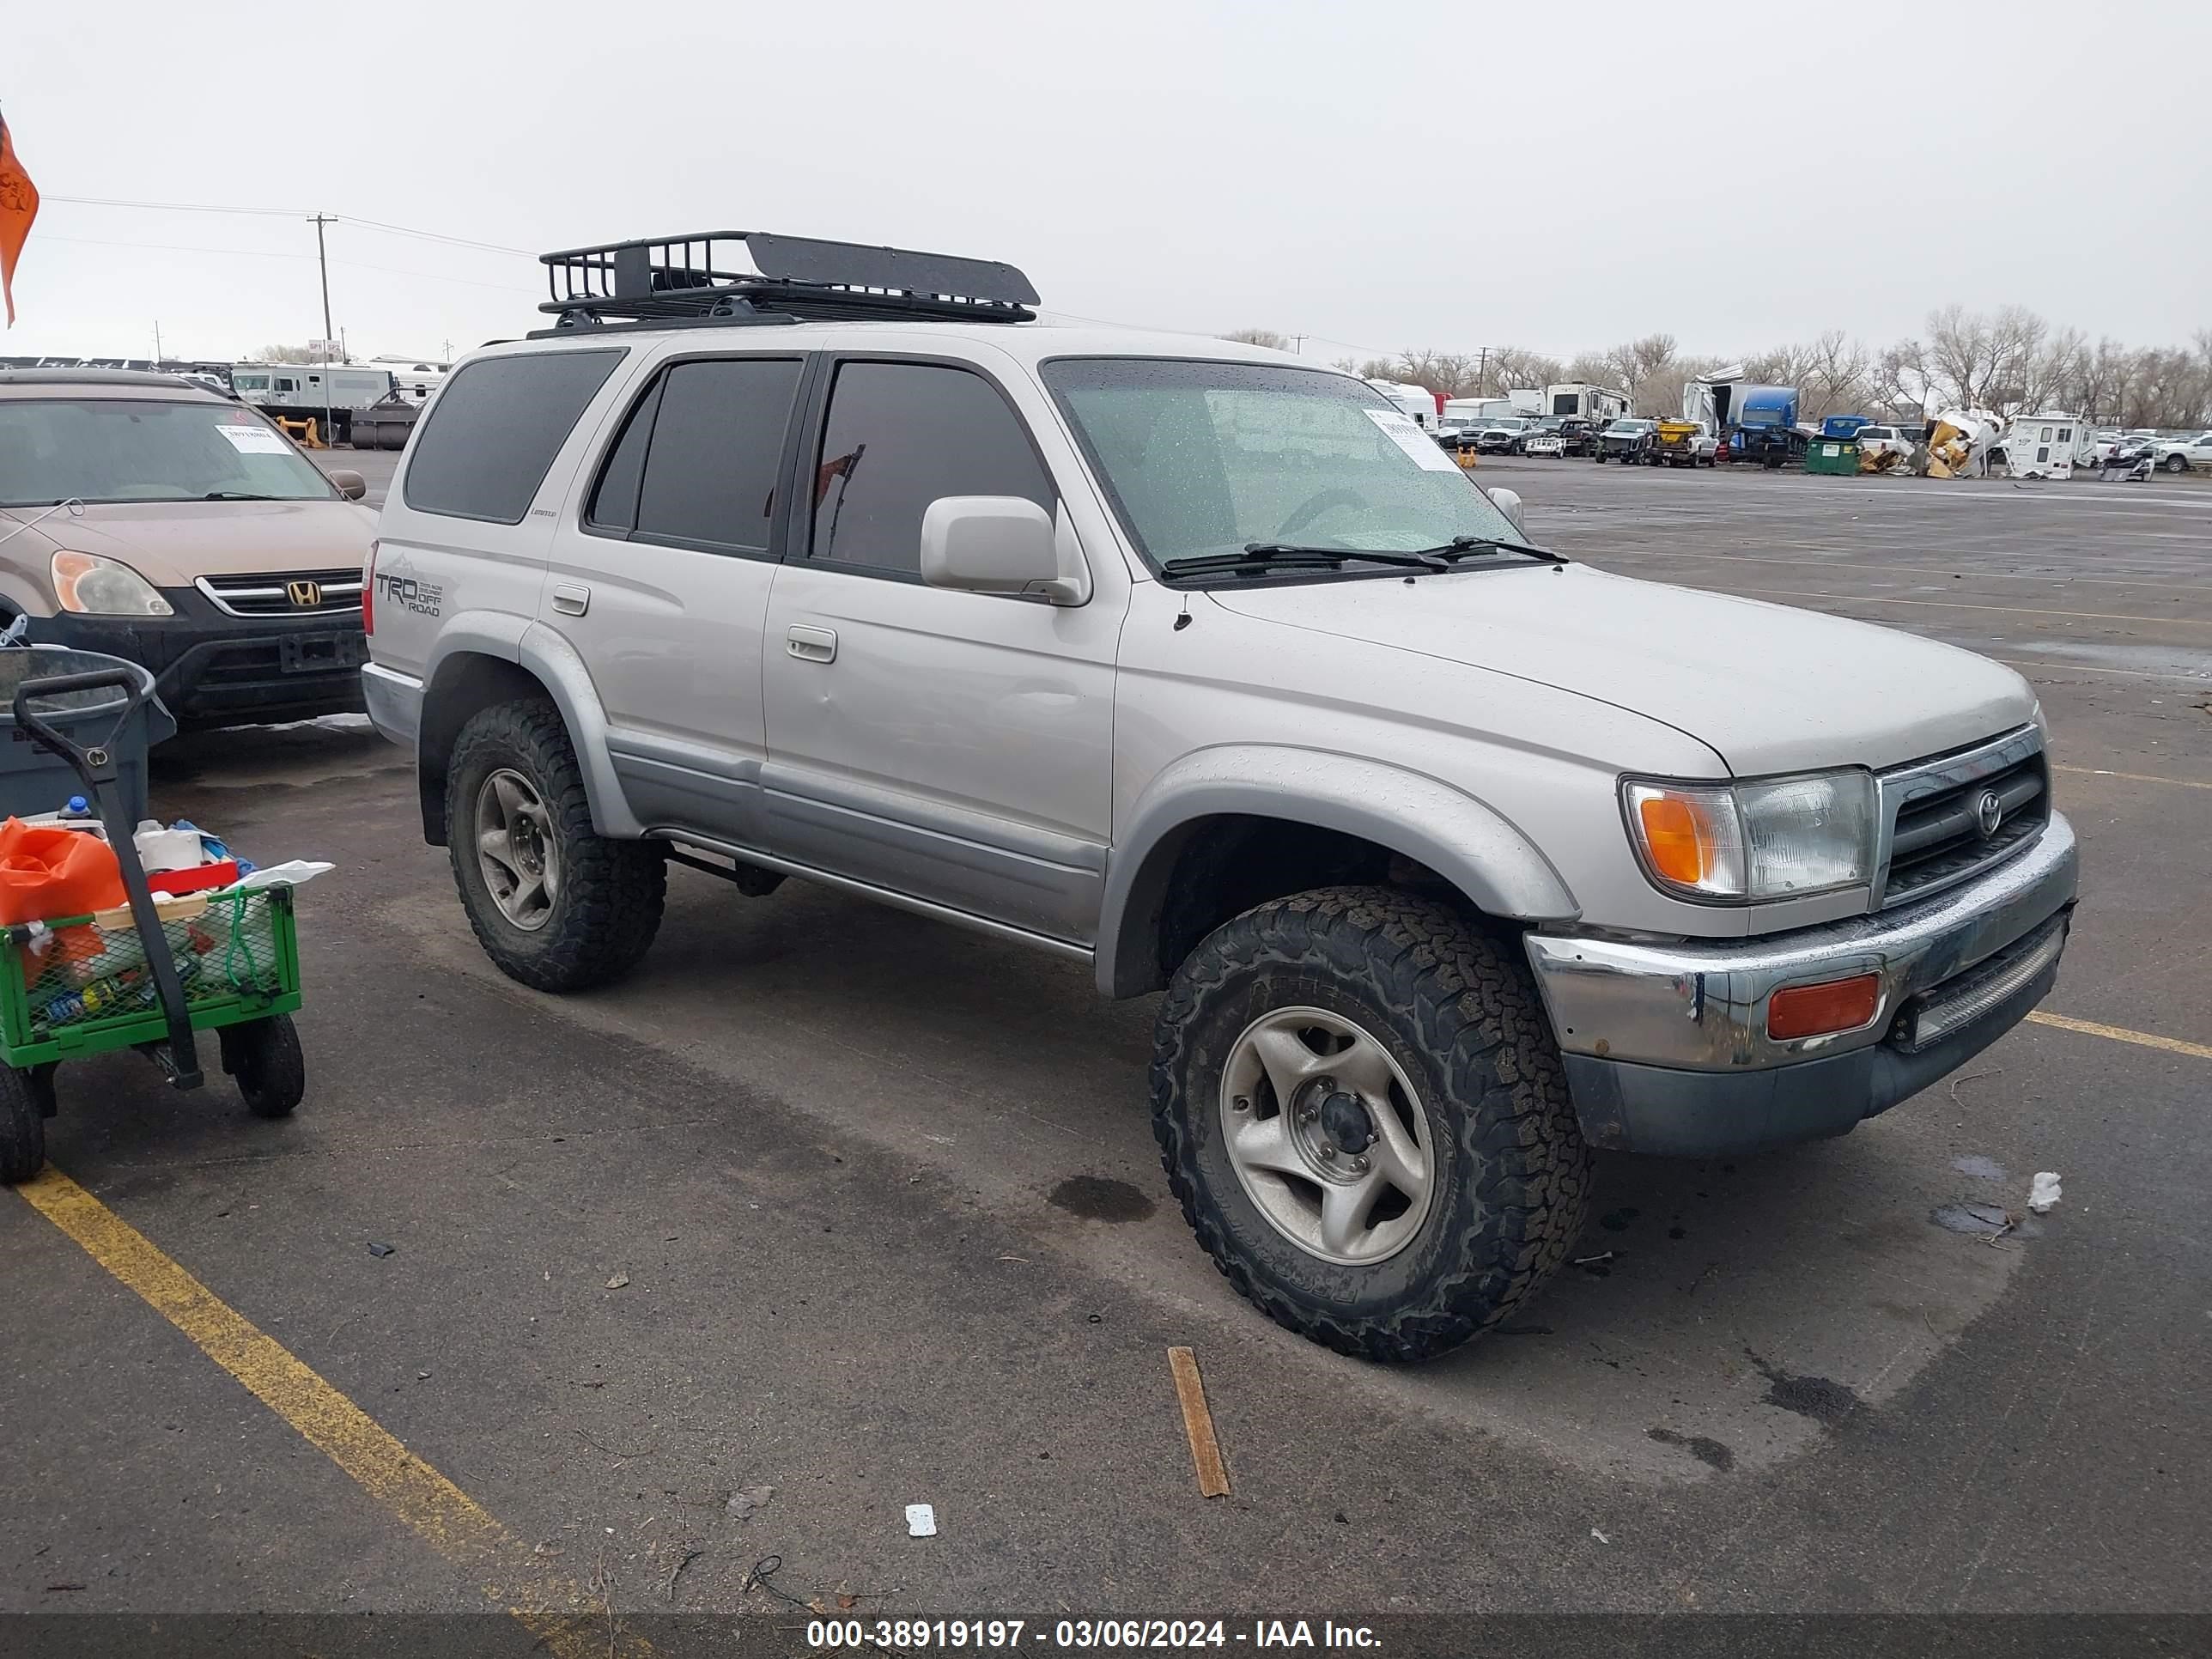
1290, 556
1461, 547
239, 495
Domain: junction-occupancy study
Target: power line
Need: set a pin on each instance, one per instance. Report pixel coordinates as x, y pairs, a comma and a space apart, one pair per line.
168, 207
273, 253
288, 213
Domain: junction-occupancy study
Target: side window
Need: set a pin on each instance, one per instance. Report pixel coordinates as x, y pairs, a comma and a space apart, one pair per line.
613, 505
491, 438
717, 445
899, 435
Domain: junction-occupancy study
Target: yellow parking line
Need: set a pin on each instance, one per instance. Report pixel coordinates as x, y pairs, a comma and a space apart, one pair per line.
2132, 777
2121, 1034
566, 1620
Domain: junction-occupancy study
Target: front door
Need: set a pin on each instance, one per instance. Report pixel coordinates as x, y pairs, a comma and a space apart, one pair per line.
951, 746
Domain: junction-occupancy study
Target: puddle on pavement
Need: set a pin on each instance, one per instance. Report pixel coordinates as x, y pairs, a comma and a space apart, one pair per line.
1986, 1219
1714, 1454
1824, 1402
1094, 1198
1973, 1164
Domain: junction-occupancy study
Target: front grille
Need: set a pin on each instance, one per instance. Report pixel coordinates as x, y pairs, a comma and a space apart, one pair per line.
335, 593
1934, 813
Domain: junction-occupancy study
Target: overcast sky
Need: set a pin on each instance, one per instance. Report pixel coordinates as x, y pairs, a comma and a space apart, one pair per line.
1456, 174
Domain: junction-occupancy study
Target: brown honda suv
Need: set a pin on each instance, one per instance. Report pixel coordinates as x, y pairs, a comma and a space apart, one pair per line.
155, 521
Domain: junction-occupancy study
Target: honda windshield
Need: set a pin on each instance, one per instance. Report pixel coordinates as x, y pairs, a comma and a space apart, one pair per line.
1205, 459
120, 449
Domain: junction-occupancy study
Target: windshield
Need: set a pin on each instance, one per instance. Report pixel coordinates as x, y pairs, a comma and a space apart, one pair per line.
1208, 459
114, 449
1629, 426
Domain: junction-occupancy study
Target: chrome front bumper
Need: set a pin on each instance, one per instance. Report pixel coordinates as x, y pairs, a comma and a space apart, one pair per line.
1667, 1045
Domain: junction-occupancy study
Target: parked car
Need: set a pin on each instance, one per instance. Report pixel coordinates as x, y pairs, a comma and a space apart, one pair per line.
206, 546
1545, 439
1499, 437
1627, 440
2181, 454
1886, 440
1578, 436
1039, 630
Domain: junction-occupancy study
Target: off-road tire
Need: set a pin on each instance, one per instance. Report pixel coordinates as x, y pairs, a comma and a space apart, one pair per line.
612, 893
1460, 1013
264, 1059
22, 1127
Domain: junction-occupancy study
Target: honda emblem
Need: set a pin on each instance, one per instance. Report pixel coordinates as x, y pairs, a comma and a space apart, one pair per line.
306, 595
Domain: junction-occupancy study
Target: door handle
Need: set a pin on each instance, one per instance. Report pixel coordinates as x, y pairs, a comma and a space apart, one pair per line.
572, 598
810, 644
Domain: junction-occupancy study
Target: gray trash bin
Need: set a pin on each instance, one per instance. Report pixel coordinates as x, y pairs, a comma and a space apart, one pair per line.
34, 780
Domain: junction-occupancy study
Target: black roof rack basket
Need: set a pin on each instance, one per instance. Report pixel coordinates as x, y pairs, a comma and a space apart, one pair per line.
692, 278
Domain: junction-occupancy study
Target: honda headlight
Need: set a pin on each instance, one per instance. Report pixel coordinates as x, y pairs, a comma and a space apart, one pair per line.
92, 586
1779, 838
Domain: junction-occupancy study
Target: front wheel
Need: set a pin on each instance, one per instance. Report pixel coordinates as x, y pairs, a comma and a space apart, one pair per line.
264, 1058
554, 903
2177, 464
1364, 1114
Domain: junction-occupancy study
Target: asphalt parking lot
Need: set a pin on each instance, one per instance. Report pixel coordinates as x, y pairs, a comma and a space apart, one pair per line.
838, 1201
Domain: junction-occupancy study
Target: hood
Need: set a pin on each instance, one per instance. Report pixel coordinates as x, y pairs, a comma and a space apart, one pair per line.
1771, 689
171, 543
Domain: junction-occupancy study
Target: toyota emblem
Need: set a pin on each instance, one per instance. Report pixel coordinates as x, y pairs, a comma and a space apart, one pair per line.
1989, 813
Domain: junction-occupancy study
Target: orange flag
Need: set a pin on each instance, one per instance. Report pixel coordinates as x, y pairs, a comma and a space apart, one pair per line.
19, 206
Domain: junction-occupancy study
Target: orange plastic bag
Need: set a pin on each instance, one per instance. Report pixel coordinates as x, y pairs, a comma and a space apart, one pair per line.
46, 874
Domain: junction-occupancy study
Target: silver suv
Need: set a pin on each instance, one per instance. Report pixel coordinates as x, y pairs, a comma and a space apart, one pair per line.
1208, 668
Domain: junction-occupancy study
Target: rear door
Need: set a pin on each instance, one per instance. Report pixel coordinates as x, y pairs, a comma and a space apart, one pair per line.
659, 575
951, 746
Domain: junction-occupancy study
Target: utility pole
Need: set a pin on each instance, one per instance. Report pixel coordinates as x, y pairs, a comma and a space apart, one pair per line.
323, 260
157, 345
1297, 345
1482, 371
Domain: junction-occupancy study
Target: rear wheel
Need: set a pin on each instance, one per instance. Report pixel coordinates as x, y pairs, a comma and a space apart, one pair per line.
554, 903
22, 1126
1365, 1117
2177, 464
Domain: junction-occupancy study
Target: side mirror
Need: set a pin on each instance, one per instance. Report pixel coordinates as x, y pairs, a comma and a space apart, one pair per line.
1508, 501
996, 544
347, 482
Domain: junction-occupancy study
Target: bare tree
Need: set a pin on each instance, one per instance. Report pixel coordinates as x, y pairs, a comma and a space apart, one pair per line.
1259, 337
287, 354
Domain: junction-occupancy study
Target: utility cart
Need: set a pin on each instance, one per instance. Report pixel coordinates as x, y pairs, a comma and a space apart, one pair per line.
148, 975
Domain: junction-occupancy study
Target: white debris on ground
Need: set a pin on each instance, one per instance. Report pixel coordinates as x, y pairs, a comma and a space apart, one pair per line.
920, 1521
2043, 1194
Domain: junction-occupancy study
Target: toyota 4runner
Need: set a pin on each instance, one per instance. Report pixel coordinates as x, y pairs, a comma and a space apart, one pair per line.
1208, 669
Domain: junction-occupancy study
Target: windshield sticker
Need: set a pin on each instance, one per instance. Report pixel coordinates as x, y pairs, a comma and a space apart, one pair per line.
255, 440
1403, 430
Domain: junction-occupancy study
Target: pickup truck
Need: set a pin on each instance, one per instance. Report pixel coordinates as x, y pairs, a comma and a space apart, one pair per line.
1448, 858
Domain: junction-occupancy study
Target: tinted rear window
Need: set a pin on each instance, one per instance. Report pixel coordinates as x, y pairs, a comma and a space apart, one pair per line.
717, 445
491, 436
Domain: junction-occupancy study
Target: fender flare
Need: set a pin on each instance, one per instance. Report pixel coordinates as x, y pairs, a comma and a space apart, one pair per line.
1463, 840
553, 663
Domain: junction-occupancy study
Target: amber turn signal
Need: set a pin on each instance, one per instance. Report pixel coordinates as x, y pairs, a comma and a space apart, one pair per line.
1676, 836
1837, 1004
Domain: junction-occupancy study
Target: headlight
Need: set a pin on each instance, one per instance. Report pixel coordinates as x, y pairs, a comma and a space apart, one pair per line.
1779, 838
92, 586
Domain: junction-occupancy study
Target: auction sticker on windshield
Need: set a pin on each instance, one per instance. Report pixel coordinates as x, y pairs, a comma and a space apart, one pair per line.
253, 440
1403, 430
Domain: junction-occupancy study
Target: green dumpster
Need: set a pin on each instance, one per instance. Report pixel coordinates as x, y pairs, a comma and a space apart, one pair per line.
1833, 455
